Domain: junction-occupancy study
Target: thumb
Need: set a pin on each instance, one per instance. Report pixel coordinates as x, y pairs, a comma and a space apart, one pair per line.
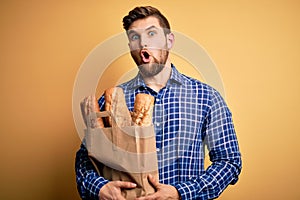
153, 181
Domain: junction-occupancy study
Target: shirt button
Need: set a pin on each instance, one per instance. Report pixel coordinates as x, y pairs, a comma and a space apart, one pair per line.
157, 149
157, 124
157, 99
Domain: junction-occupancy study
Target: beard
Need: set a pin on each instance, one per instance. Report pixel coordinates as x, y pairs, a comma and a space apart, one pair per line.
154, 67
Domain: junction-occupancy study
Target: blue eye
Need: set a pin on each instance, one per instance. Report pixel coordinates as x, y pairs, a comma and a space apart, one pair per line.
135, 37
151, 33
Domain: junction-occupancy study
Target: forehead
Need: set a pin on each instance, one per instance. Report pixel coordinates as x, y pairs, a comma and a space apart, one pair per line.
145, 23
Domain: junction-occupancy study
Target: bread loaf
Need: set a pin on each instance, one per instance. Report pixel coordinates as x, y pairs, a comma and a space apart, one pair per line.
143, 108
116, 104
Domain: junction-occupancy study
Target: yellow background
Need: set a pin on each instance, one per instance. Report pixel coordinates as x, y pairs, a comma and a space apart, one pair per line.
255, 45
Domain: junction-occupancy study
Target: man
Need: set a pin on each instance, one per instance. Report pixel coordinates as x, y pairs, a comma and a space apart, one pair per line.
187, 115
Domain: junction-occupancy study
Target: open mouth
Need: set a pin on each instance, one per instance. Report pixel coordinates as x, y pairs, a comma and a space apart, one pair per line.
145, 56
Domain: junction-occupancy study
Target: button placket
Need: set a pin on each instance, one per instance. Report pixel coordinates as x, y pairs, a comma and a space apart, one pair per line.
159, 118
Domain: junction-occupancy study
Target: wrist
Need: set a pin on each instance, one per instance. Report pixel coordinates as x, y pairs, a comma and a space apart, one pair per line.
177, 194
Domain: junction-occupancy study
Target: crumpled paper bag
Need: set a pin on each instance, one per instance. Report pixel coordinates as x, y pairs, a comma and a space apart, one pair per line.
124, 153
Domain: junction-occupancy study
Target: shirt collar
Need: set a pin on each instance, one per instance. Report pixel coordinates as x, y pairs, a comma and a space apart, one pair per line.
176, 77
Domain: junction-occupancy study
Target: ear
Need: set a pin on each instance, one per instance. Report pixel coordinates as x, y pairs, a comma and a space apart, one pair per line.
170, 40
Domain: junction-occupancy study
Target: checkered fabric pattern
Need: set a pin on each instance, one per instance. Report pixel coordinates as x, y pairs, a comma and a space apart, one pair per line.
188, 115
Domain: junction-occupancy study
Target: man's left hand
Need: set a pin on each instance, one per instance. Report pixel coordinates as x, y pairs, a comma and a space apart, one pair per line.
163, 192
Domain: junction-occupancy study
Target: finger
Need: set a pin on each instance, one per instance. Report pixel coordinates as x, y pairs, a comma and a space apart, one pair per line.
111, 190
125, 184
153, 181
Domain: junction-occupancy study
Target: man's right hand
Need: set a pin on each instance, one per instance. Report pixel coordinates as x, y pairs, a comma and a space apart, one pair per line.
112, 190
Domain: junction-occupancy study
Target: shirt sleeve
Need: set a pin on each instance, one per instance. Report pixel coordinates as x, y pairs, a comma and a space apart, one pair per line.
221, 140
88, 181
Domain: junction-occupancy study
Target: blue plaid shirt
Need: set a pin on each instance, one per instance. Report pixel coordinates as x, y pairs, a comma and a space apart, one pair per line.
189, 117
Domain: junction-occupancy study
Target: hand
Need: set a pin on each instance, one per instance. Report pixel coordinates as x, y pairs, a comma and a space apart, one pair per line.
112, 190
163, 192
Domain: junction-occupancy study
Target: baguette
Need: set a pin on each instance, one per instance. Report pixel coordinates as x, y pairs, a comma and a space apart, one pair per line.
116, 104
143, 108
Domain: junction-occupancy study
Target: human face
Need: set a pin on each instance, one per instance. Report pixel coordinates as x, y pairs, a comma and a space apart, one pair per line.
148, 46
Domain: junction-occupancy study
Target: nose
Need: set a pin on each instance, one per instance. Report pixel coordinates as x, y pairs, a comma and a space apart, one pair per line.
143, 41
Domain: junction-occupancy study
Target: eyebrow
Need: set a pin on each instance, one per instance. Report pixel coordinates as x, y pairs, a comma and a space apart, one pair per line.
133, 31
151, 27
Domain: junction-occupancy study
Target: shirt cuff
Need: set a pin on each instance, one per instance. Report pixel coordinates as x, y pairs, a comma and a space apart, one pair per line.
187, 190
95, 186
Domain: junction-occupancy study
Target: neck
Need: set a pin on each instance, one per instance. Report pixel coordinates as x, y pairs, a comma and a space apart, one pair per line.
160, 80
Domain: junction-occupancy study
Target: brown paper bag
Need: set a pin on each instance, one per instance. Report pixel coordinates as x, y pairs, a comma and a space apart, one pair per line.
124, 153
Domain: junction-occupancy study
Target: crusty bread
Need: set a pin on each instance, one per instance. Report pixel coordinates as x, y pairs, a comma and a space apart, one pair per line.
108, 98
116, 104
143, 108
